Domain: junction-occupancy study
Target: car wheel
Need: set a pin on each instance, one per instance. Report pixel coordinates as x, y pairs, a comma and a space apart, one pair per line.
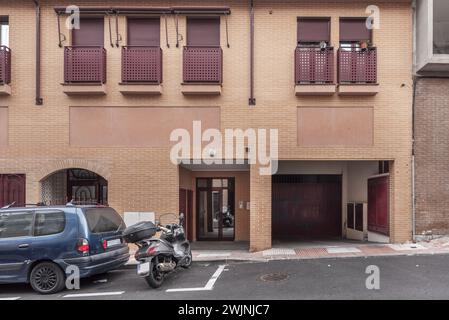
47, 278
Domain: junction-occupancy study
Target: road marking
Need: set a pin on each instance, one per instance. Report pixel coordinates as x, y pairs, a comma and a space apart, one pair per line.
406, 246
342, 250
94, 294
209, 285
211, 255
11, 298
279, 252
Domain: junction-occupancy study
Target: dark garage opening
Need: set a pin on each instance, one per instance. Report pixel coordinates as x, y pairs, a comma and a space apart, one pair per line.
306, 207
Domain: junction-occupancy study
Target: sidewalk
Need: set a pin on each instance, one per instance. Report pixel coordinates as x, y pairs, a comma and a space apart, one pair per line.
325, 250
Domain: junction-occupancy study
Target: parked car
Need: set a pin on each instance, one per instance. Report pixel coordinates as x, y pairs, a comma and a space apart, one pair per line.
38, 244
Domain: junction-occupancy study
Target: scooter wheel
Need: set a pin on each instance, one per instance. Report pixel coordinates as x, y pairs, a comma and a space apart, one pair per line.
188, 261
155, 278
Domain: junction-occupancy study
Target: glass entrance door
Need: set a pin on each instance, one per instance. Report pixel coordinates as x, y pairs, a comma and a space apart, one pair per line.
215, 209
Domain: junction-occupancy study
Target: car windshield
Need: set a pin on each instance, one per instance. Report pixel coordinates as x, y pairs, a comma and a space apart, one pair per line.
102, 220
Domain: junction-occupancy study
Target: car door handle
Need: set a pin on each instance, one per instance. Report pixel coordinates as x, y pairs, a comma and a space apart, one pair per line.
23, 246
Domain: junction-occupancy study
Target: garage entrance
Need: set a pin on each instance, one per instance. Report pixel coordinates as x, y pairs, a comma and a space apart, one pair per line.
306, 206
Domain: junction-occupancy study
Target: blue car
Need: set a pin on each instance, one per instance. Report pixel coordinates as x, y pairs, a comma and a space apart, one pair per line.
38, 244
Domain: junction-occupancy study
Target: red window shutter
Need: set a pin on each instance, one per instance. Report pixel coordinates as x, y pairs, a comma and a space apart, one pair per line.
313, 29
90, 33
203, 31
144, 32
354, 29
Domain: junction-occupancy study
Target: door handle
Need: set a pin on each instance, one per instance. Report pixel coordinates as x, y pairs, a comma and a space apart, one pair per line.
23, 246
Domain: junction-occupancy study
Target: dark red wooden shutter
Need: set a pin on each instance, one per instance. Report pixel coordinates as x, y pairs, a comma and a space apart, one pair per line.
144, 32
354, 29
378, 205
313, 29
12, 189
90, 33
203, 31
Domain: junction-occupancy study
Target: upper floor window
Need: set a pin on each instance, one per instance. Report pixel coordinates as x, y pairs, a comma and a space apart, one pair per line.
203, 31
4, 31
313, 31
203, 56
90, 33
142, 57
440, 27
354, 33
143, 32
85, 60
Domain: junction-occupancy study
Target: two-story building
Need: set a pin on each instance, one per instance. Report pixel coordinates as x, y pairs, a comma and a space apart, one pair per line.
86, 114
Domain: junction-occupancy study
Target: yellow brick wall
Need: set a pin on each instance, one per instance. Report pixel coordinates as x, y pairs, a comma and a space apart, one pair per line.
144, 178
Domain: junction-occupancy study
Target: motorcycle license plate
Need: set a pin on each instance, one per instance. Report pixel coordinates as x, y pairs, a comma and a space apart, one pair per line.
143, 269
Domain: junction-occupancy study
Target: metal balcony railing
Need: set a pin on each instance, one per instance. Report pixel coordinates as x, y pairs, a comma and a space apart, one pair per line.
141, 64
84, 64
314, 65
5, 65
356, 65
203, 64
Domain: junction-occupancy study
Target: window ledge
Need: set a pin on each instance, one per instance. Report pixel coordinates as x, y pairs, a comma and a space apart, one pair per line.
358, 89
77, 89
140, 88
201, 89
315, 89
5, 90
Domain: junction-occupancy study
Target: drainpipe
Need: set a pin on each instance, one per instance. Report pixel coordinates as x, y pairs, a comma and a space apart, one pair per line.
415, 83
252, 100
39, 100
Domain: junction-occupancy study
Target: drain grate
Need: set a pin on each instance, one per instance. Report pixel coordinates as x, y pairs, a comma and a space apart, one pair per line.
272, 277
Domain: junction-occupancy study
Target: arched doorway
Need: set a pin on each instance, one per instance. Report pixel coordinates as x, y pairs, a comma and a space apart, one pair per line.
80, 186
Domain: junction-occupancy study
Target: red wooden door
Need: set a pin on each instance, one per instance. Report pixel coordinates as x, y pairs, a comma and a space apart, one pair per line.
378, 205
306, 206
12, 189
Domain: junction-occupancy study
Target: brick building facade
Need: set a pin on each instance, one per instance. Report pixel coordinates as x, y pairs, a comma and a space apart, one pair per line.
430, 118
109, 140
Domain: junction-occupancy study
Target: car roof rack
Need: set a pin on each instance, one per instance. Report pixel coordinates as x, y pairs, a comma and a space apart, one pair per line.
9, 205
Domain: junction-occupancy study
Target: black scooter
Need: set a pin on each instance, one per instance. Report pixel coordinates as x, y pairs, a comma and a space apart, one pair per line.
158, 257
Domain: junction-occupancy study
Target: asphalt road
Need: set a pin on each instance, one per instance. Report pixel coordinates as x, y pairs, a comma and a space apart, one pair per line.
401, 277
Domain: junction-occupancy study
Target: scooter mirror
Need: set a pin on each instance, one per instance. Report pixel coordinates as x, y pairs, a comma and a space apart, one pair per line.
181, 218
157, 222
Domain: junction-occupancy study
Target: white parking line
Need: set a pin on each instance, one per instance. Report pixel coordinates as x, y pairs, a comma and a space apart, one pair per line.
209, 285
94, 294
213, 255
11, 298
342, 250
